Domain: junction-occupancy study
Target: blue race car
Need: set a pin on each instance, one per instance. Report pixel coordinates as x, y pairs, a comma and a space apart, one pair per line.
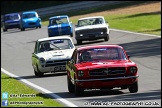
60, 25
11, 21
30, 19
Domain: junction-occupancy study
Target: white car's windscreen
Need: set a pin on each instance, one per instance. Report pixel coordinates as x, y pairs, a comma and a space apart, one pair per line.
92, 21
56, 44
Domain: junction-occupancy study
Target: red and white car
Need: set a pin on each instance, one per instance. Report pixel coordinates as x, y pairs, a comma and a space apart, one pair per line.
101, 67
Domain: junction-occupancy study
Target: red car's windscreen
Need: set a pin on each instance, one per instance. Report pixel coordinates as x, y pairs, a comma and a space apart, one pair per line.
94, 54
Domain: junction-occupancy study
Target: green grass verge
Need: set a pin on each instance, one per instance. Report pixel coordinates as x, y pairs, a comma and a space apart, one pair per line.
149, 23
12, 86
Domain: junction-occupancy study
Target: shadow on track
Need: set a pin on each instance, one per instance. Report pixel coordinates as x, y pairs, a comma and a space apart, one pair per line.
18, 30
144, 48
120, 95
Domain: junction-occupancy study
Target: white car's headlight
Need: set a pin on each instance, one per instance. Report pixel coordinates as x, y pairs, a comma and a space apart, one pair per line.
42, 60
77, 32
81, 34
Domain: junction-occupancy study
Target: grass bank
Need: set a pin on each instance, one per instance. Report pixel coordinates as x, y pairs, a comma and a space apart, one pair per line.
147, 23
17, 94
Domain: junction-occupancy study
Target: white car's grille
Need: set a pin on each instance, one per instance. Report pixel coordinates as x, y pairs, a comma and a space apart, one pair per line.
56, 62
92, 30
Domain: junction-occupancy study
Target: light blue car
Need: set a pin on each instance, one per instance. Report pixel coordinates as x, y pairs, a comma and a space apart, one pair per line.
60, 25
30, 19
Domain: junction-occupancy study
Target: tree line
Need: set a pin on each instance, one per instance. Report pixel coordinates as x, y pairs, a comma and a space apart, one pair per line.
19, 6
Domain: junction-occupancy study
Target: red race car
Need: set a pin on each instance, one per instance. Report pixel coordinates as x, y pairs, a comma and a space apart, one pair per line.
101, 67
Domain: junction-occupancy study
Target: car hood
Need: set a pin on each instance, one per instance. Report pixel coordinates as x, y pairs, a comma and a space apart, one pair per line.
91, 27
104, 64
56, 54
30, 19
59, 25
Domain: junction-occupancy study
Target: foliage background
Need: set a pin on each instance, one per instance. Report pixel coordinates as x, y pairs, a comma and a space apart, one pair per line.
18, 6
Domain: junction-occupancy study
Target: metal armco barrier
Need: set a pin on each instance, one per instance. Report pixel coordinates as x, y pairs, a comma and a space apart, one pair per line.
43, 12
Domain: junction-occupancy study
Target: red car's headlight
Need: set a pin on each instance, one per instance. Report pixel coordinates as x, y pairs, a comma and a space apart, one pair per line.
80, 73
133, 69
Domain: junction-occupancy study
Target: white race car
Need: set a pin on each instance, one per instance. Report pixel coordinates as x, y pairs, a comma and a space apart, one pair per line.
91, 28
51, 54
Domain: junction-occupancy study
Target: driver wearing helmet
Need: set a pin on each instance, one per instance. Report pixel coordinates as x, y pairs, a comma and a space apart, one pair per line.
97, 21
45, 47
85, 56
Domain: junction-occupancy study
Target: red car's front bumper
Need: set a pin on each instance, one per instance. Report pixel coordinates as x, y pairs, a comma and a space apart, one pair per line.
107, 82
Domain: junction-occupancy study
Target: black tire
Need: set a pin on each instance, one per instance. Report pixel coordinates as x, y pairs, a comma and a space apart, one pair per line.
38, 73
79, 42
78, 90
40, 26
133, 88
71, 87
71, 35
106, 38
4, 30
22, 29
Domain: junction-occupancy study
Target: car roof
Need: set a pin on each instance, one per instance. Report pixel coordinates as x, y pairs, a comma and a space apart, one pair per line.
11, 14
98, 46
58, 16
57, 37
29, 12
91, 17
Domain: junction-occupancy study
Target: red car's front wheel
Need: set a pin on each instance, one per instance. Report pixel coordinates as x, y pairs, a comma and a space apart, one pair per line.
134, 87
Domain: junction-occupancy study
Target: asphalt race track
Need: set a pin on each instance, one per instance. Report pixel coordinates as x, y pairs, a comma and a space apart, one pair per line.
17, 47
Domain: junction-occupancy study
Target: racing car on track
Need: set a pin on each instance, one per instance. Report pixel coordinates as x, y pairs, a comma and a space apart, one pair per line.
60, 25
101, 67
91, 28
30, 19
10, 21
51, 54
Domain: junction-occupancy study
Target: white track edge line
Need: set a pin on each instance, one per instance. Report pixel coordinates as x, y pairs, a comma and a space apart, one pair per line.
40, 88
136, 33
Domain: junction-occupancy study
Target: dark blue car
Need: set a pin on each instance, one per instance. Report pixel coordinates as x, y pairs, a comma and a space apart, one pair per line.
30, 19
11, 21
60, 25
